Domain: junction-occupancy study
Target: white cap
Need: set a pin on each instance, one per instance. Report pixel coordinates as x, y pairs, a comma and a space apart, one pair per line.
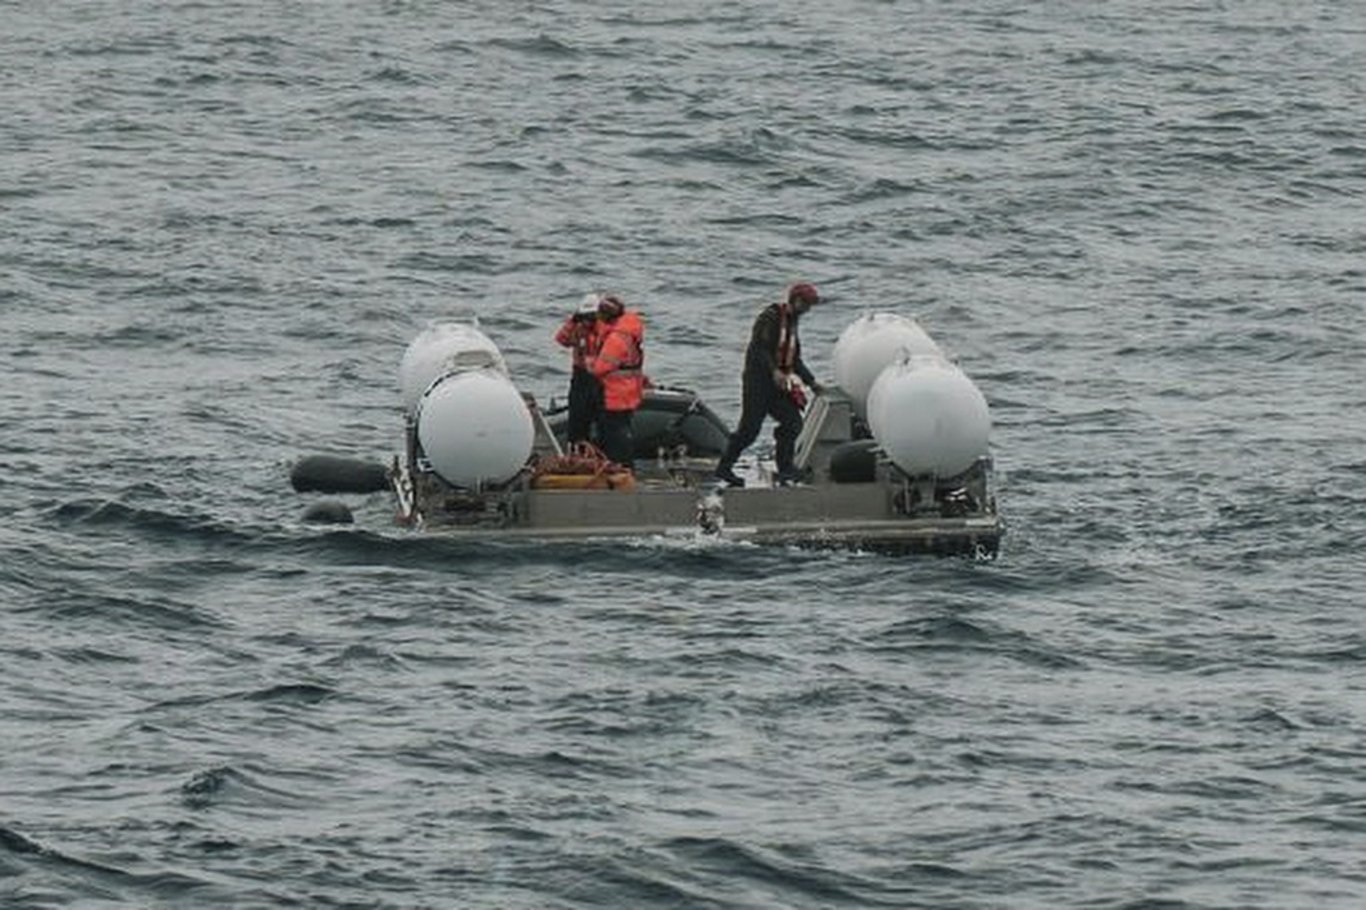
589, 304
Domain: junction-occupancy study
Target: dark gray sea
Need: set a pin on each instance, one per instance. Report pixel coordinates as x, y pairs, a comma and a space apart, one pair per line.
1139, 226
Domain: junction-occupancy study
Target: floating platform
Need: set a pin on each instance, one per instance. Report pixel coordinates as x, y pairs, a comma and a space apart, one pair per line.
851, 496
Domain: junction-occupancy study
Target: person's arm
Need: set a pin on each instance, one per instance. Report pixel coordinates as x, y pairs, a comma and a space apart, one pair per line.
568, 333
611, 355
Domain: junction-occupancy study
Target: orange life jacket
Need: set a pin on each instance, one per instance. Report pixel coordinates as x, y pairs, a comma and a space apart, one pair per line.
787, 340
619, 360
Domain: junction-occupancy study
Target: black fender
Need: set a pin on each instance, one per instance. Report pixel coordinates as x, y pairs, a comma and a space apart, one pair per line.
328, 512
335, 474
854, 462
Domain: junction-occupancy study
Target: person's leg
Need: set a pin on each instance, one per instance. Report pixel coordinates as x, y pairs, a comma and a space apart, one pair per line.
583, 394
785, 434
617, 441
753, 409
595, 409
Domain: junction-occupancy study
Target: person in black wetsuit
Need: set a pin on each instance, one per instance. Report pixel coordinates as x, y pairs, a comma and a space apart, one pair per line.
773, 364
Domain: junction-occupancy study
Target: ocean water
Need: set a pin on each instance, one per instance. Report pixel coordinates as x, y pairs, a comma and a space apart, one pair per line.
1138, 226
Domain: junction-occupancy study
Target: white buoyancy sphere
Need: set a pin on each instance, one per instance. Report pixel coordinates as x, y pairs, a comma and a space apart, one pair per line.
475, 428
928, 416
444, 347
868, 345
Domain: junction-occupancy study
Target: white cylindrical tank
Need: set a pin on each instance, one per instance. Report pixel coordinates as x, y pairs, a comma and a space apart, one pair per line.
928, 416
868, 345
441, 348
474, 428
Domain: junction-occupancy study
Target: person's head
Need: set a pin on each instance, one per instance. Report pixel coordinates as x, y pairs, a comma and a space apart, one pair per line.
610, 307
802, 297
588, 308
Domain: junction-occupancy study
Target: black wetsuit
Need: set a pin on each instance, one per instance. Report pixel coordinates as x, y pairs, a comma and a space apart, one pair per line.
585, 405
763, 396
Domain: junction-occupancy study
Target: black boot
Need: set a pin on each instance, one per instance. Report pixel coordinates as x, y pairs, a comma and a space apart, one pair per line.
728, 474
725, 468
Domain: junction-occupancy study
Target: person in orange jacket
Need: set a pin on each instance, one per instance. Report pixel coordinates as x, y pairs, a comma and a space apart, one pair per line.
580, 334
619, 365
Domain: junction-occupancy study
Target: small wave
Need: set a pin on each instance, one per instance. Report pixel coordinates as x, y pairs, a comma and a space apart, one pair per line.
642, 880
541, 45
141, 45
199, 790
732, 152
1348, 151
15, 842
282, 693
950, 634
890, 138
365, 656
454, 262
767, 871
1271, 720
1089, 56
756, 219
224, 784
548, 763
137, 336
107, 608
92, 655
397, 75
292, 693
1238, 114
1097, 421
105, 512
261, 40
938, 628
880, 189
97, 881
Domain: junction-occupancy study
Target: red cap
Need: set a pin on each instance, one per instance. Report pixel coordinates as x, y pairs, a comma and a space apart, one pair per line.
804, 292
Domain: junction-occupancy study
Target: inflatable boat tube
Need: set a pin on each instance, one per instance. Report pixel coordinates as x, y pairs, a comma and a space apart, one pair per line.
668, 418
